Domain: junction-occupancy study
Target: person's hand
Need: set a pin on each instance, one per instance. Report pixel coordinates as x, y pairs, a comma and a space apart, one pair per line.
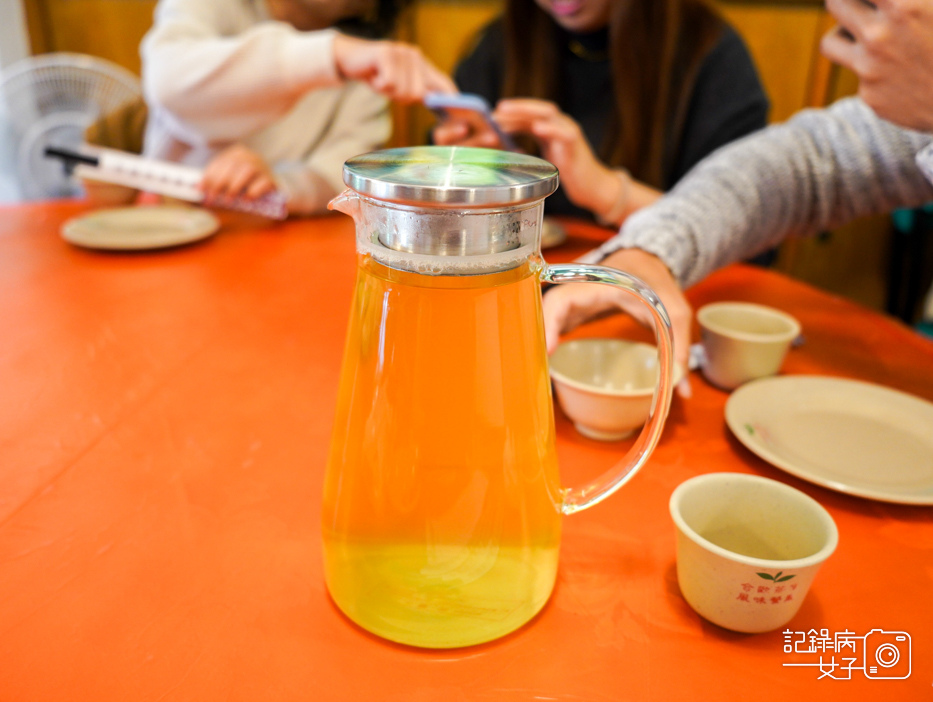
567, 306
460, 130
586, 180
396, 69
610, 194
888, 44
237, 171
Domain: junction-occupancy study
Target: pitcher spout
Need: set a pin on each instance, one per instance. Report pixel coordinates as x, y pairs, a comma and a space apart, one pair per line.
347, 202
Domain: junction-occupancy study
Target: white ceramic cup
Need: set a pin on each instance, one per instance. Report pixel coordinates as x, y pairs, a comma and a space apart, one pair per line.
748, 548
606, 386
743, 341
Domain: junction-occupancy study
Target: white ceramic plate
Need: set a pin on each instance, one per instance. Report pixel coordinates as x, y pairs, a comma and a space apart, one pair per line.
143, 227
855, 437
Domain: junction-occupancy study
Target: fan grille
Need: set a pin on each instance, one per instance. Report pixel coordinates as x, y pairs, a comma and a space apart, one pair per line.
49, 100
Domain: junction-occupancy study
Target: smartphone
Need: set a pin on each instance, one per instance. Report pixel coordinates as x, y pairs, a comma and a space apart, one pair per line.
470, 108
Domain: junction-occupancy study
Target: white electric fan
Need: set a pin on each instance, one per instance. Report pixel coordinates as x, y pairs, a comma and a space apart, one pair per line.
48, 101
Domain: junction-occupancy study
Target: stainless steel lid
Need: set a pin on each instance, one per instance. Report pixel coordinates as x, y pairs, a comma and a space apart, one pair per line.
450, 177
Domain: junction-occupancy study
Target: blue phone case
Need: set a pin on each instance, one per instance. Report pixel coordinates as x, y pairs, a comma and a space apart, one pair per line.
439, 103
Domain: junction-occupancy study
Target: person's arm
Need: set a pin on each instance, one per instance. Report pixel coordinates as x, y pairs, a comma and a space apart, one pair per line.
219, 88
819, 170
222, 74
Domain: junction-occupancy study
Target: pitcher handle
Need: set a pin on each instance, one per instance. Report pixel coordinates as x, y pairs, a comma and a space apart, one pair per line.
576, 499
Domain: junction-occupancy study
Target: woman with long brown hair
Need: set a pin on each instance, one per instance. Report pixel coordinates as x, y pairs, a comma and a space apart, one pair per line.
623, 96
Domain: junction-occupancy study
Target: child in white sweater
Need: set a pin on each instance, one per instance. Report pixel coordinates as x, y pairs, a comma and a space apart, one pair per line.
272, 87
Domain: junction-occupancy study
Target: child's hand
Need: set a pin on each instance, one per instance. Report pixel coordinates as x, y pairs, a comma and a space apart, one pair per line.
237, 172
397, 70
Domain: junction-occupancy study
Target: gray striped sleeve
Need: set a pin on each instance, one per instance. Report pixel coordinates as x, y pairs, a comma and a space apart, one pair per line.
818, 170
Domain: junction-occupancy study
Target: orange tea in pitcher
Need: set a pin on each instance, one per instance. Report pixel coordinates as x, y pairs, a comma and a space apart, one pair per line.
441, 510
442, 506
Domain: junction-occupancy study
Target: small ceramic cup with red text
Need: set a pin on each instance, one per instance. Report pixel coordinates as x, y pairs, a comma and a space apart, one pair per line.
748, 548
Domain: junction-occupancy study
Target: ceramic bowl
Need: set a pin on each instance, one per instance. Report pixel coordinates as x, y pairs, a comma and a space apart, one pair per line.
605, 386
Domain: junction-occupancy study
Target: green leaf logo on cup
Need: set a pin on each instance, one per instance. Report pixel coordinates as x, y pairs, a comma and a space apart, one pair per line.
775, 578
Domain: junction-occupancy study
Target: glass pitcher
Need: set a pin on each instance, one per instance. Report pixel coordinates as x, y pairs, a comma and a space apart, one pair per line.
442, 503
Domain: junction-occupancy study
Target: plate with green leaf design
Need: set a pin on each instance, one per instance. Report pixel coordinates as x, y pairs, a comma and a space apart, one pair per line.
855, 437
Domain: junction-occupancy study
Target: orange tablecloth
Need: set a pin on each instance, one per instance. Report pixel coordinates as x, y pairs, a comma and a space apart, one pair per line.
164, 421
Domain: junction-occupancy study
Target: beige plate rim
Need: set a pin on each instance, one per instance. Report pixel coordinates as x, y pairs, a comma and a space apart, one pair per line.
140, 227
752, 405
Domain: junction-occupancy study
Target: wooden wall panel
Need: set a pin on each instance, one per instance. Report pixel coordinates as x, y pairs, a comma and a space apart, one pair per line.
111, 29
783, 43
